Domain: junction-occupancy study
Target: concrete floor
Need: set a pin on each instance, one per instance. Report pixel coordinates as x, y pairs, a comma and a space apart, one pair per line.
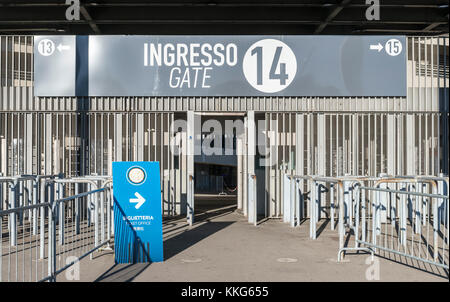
222, 246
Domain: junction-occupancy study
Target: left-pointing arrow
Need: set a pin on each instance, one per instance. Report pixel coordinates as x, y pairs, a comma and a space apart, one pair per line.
63, 47
139, 201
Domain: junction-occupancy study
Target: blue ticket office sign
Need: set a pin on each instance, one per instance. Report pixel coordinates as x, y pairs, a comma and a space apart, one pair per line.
137, 212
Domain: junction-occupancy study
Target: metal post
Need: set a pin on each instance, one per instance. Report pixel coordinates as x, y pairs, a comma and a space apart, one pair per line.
418, 212
52, 234
403, 219
363, 209
317, 207
383, 202
35, 199
286, 196
190, 201
377, 216
293, 201
111, 211
108, 214
252, 205
347, 199
96, 227
102, 216
1, 225
30, 190
299, 198
313, 211
442, 204
43, 188
89, 205
434, 203
13, 197
374, 220
332, 206
61, 210
357, 221
424, 208
77, 210
341, 220
20, 201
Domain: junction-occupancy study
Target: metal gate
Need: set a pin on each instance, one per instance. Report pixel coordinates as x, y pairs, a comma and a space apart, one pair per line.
330, 136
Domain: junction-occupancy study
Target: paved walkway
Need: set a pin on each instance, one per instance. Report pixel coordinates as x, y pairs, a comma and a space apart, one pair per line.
222, 246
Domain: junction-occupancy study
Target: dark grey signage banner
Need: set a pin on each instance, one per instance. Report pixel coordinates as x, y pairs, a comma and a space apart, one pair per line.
54, 65
222, 66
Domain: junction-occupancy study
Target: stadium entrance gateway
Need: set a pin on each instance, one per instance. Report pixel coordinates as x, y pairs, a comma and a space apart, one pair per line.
235, 102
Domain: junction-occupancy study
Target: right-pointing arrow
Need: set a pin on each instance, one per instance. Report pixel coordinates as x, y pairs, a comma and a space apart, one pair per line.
139, 201
378, 47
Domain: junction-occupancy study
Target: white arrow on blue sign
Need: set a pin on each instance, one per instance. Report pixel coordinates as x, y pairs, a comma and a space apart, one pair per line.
139, 200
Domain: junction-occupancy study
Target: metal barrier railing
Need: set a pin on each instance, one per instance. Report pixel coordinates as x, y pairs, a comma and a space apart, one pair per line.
42, 238
43, 232
401, 219
404, 215
295, 200
190, 200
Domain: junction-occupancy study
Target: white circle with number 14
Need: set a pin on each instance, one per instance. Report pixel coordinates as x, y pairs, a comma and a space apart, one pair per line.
269, 65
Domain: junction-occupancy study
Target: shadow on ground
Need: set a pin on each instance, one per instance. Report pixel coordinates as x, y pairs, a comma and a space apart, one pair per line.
174, 245
122, 272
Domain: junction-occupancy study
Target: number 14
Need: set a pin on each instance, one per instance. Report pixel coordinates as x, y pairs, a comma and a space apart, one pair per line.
282, 75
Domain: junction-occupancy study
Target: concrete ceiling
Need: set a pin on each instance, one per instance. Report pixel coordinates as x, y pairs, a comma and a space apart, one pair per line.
327, 17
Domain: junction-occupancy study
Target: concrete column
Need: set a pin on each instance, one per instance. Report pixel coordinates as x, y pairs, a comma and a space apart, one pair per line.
272, 164
184, 173
251, 152
245, 172
190, 165
239, 150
